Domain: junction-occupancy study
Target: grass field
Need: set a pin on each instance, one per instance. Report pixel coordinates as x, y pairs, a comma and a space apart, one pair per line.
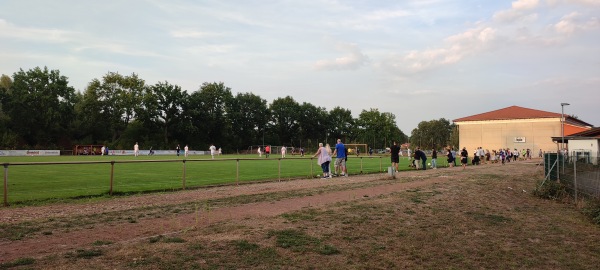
41, 182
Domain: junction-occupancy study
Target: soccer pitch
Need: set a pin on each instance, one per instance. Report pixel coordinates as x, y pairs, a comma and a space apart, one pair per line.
37, 179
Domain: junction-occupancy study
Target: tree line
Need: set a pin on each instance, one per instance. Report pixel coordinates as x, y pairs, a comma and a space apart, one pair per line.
39, 110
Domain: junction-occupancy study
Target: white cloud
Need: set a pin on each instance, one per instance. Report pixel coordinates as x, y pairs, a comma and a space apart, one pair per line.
9, 30
191, 34
572, 23
352, 59
585, 2
525, 4
457, 47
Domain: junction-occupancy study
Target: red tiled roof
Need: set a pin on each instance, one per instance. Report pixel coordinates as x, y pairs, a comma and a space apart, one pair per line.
591, 133
512, 112
516, 112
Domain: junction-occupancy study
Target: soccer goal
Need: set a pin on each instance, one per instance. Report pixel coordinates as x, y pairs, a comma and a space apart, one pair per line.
357, 148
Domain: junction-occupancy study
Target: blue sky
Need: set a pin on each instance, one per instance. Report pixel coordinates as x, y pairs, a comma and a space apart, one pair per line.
420, 60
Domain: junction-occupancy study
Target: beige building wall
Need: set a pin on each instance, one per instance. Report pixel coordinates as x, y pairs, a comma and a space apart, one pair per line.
535, 134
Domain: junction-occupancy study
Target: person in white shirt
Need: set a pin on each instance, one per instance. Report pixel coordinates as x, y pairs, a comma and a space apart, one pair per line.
185, 150
283, 150
213, 150
259, 152
102, 150
136, 149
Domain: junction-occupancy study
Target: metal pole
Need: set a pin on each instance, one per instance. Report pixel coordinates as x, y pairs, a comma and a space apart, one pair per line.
562, 131
575, 178
184, 171
5, 184
112, 174
311, 167
361, 165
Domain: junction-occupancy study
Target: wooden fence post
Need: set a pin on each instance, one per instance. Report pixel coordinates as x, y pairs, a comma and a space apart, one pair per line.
237, 172
5, 184
112, 173
184, 174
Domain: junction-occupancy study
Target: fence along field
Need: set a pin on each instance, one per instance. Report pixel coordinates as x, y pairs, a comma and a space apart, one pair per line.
35, 179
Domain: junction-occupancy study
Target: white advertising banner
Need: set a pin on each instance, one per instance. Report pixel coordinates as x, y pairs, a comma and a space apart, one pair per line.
13, 153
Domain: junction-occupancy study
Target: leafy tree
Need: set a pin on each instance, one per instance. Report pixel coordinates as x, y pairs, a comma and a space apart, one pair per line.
120, 98
313, 124
378, 128
342, 124
41, 105
432, 134
285, 119
206, 114
248, 115
8, 139
163, 108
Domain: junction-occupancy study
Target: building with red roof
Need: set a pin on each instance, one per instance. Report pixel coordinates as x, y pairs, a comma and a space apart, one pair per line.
516, 127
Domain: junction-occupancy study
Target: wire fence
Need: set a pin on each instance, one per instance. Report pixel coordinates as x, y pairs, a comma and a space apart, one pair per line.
578, 171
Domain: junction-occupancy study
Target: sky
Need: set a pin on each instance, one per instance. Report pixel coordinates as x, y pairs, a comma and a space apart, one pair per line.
420, 60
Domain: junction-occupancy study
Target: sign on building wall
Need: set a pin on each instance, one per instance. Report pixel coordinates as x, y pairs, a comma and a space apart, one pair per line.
519, 139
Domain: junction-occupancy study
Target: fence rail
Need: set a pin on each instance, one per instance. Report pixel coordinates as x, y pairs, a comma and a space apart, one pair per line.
358, 167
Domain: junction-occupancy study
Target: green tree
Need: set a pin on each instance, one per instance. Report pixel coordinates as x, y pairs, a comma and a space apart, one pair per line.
206, 116
378, 129
284, 120
162, 108
313, 125
43, 103
432, 134
343, 125
248, 115
8, 139
120, 100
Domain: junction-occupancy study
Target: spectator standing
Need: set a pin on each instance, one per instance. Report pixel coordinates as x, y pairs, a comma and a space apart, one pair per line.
340, 157
323, 160
394, 155
433, 158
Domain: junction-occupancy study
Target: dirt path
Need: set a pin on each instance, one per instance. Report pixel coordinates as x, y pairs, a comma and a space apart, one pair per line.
63, 241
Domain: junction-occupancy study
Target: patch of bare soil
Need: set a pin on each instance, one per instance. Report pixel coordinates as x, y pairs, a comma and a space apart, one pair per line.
478, 217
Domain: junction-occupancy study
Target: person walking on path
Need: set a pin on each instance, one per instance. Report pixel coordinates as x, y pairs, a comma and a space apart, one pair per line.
464, 157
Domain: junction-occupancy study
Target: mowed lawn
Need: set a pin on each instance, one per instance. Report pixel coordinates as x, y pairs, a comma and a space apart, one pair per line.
42, 182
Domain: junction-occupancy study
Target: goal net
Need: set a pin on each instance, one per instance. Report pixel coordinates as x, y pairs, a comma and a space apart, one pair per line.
357, 148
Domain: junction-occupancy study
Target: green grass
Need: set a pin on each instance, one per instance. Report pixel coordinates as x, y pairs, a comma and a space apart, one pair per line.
42, 183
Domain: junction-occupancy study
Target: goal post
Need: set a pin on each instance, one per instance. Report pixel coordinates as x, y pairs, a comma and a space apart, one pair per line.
357, 148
